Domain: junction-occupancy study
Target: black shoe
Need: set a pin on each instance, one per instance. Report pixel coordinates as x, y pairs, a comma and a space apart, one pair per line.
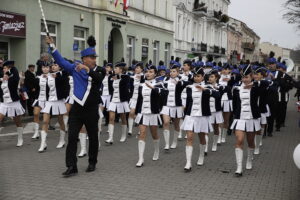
52, 128
205, 153
238, 174
270, 135
129, 134
71, 171
188, 169
90, 168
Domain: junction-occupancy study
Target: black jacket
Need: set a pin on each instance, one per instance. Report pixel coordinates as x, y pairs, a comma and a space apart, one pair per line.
123, 87
13, 83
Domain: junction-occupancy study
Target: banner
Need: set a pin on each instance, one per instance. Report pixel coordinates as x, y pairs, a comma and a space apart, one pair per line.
12, 24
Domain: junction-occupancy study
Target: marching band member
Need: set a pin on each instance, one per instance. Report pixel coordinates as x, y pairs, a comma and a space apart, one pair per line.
259, 74
40, 97
226, 101
56, 92
246, 116
186, 75
216, 117
172, 105
105, 96
119, 84
197, 117
136, 80
11, 106
147, 110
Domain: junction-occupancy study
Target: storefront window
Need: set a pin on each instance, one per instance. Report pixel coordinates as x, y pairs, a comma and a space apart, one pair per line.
4, 50
52, 28
145, 50
156, 52
167, 53
130, 50
79, 42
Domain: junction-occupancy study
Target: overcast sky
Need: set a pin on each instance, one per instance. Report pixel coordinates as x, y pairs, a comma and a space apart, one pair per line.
265, 18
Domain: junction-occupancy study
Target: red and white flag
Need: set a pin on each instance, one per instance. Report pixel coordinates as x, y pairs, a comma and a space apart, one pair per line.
126, 4
116, 3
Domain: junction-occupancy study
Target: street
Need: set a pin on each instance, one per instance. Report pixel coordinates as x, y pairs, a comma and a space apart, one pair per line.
27, 174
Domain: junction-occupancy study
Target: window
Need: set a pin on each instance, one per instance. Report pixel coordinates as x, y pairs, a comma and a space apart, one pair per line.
79, 42
155, 52
52, 28
167, 53
130, 49
145, 50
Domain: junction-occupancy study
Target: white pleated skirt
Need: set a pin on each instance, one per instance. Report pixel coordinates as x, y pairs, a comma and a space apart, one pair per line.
55, 107
148, 119
121, 107
106, 101
70, 100
197, 124
249, 125
132, 103
263, 118
12, 109
227, 105
172, 111
216, 118
38, 103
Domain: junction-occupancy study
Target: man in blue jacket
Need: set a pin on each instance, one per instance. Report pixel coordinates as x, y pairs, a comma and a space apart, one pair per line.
87, 81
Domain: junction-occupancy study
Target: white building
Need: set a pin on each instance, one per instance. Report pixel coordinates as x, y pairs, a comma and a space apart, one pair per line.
200, 28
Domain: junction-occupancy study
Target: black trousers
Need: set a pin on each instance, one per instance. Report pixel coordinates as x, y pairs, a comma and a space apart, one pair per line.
79, 116
270, 120
280, 119
29, 102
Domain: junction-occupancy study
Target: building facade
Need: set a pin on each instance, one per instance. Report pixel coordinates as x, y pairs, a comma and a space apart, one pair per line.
200, 28
235, 38
250, 44
145, 33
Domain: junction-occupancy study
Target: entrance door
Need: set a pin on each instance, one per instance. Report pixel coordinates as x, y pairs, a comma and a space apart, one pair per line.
115, 46
4, 49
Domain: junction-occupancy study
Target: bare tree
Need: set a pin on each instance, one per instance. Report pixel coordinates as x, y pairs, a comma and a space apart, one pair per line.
293, 12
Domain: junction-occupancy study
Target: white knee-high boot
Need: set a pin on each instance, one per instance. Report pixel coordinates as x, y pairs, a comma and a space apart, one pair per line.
130, 125
220, 135
100, 125
156, 150
262, 133
20, 136
61, 142
36, 134
180, 131
249, 158
188, 155
124, 133
141, 147
110, 139
207, 140
257, 140
43, 146
175, 138
201, 155
215, 143
82, 139
66, 119
239, 161
167, 139
224, 133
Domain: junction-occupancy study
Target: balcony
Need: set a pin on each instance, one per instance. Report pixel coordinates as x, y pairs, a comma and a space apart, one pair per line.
200, 12
248, 46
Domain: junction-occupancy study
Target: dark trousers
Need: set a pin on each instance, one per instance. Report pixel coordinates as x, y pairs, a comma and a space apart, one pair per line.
29, 105
280, 119
79, 116
272, 117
